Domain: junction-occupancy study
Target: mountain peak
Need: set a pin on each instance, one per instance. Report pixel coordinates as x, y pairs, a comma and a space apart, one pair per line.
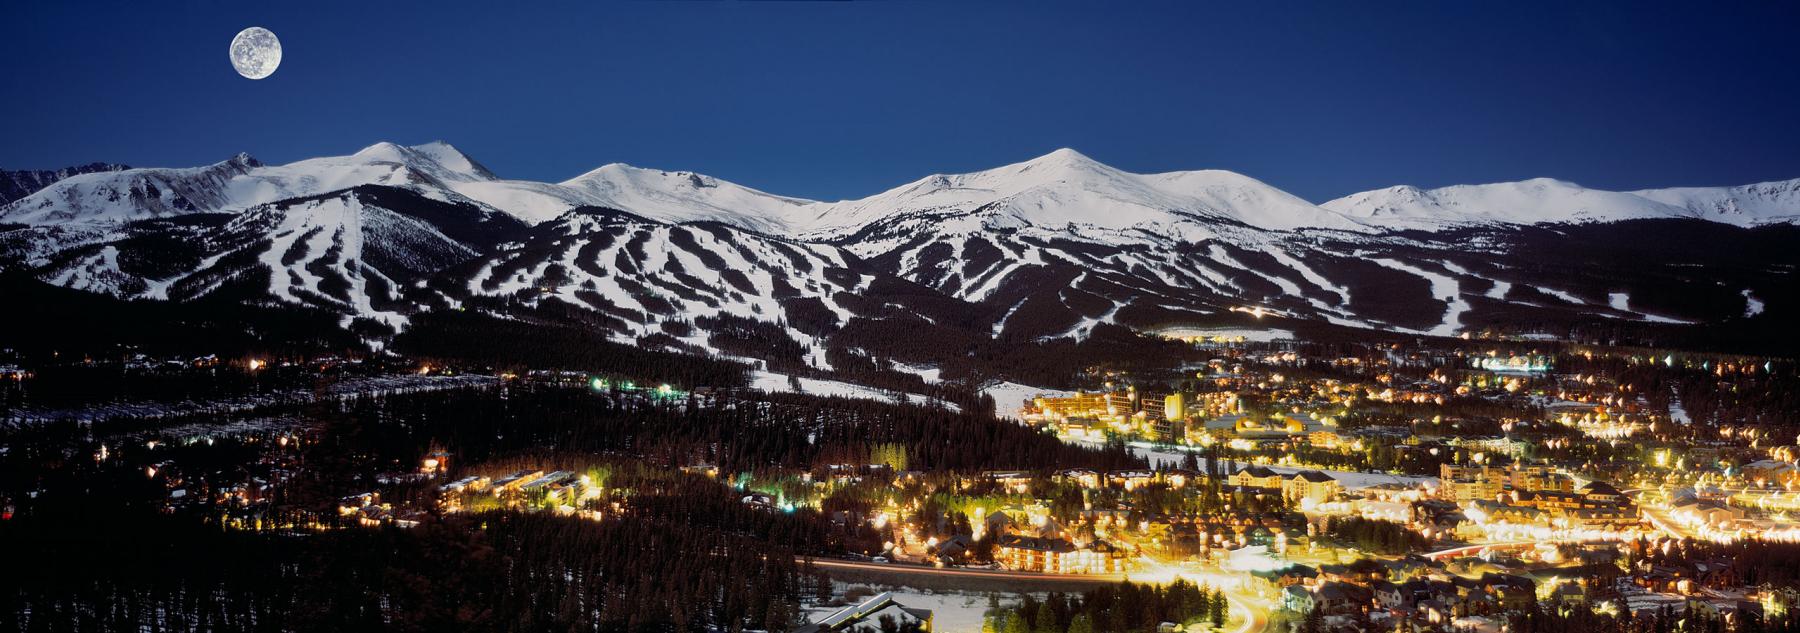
1060, 162
1064, 156
385, 150
1066, 188
437, 157
452, 158
682, 196
244, 160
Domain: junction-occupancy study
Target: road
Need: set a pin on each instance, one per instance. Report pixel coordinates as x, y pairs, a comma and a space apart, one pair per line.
1656, 517
1471, 550
1662, 522
921, 571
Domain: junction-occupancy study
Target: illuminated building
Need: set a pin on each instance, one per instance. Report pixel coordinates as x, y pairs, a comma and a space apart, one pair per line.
882, 609
1257, 477
1058, 556
1529, 364
1310, 486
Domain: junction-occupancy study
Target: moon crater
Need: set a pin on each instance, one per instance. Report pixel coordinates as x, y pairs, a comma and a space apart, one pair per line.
255, 52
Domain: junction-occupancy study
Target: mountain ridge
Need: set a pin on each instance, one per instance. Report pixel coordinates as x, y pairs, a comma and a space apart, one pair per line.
1057, 247
1063, 187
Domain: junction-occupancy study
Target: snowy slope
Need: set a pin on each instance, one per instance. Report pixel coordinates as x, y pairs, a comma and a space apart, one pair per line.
1065, 188
132, 194
1525, 202
1544, 200
239, 184
1747, 205
1066, 244
645, 277
669, 196
15, 184
680, 196
354, 252
1057, 246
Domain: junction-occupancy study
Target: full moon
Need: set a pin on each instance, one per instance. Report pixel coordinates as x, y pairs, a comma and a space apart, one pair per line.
255, 52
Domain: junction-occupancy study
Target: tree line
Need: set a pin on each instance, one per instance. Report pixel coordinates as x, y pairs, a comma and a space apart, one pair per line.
1125, 607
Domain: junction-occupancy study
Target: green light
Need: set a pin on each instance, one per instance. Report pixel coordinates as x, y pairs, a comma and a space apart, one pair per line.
598, 384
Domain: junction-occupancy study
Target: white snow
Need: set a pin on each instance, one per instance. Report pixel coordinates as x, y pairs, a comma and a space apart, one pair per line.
1009, 397
1066, 188
1677, 413
951, 611
1309, 274
1548, 200
1752, 305
1157, 236
1565, 296
239, 184
1620, 301
1445, 288
1497, 291
1058, 190
928, 373
779, 383
1255, 335
680, 196
1748, 205
330, 231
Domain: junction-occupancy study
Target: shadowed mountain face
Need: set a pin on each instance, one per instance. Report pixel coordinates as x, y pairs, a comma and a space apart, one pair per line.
1055, 247
15, 184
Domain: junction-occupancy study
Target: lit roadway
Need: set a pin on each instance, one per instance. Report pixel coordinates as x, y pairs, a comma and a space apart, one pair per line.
1253, 608
1655, 516
907, 569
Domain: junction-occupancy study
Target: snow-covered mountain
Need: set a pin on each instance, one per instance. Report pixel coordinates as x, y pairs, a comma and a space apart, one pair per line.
15, 184
1748, 205
1544, 200
132, 194
690, 284
354, 252
1065, 189
240, 183
1057, 246
669, 196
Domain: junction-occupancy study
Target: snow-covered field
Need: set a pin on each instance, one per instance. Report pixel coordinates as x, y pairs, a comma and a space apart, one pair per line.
779, 383
926, 372
1255, 335
1009, 397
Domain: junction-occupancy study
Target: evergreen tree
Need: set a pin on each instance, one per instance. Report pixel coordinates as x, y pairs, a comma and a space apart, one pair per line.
1081, 623
1045, 622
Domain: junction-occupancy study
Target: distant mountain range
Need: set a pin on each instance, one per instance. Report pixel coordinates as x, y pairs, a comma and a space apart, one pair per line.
1053, 247
1544, 200
21, 183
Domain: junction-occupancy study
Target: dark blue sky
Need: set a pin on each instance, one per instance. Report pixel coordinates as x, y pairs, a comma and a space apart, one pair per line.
832, 100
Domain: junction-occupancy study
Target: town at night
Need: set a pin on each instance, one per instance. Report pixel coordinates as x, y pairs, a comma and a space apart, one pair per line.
1059, 317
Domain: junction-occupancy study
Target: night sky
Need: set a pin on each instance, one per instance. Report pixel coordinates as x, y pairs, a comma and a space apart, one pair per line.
844, 99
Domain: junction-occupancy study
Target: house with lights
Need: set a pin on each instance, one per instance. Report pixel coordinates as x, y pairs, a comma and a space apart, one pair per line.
1058, 555
1310, 486
875, 615
1257, 477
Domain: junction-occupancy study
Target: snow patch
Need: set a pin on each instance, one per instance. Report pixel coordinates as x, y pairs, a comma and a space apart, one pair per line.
1009, 397
1445, 288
